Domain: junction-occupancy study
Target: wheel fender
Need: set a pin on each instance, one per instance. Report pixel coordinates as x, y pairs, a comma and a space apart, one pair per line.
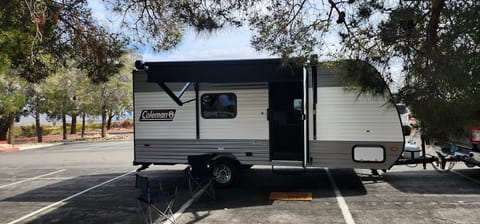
230, 157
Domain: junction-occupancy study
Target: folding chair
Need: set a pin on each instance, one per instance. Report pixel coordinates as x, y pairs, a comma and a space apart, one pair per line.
199, 175
150, 195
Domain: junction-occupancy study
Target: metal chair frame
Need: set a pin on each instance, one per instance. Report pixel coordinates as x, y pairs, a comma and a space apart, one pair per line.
148, 197
199, 175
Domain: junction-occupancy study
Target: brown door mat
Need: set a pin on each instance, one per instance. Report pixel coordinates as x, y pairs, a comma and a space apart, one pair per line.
291, 196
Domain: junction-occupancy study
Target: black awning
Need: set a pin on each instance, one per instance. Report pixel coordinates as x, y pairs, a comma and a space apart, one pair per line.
228, 71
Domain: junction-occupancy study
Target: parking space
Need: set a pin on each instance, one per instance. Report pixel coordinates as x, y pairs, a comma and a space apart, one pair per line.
249, 202
417, 196
94, 183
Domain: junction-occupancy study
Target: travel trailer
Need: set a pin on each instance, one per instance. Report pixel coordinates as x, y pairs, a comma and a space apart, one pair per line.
260, 112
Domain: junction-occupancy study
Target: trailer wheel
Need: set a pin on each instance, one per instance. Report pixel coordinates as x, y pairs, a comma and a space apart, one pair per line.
225, 172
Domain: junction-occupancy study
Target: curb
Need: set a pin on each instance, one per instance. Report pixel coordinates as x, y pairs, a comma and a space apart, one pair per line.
87, 141
19, 147
40, 146
12, 149
59, 137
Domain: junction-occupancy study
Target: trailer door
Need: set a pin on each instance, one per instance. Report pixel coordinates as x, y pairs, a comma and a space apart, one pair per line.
286, 121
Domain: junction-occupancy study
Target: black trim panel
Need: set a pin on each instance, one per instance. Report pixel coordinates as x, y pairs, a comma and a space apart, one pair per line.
231, 71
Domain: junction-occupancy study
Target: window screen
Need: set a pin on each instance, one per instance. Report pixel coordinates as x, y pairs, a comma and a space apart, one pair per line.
219, 105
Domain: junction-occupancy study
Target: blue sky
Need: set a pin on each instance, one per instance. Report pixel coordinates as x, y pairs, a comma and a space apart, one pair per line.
225, 44
229, 43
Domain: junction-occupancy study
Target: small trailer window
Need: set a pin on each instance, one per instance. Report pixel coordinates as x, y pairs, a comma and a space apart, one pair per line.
298, 105
219, 105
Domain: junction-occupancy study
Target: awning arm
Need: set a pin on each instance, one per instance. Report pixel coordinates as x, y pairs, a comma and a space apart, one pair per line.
172, 94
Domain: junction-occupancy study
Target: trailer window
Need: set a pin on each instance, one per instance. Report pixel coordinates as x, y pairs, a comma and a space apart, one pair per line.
298, 105
219, 105
402, 109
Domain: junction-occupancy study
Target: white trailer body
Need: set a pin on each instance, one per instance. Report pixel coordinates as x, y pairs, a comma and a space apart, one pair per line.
258, 112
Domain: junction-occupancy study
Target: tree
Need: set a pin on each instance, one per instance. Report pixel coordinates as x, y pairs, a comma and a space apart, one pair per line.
438, 44
119, 91
12, 102
100, 59
36, 97
36, 37
17, 41
283, 27
436, 41
60, 101
443, 76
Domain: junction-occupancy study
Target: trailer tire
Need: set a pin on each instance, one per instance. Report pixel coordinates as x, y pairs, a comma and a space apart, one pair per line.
225, 172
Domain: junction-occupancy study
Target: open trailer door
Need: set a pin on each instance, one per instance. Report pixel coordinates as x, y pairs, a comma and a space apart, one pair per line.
286, 121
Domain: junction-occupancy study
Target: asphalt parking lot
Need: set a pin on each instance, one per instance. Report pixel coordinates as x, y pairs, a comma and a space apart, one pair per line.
94, 183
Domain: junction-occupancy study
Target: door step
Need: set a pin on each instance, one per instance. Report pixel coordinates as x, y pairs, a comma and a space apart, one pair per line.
288, 167
286, 163
289, 170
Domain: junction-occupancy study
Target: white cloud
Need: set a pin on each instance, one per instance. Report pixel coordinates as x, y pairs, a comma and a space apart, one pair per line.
105, 17
210, 54
99, 11
225, 44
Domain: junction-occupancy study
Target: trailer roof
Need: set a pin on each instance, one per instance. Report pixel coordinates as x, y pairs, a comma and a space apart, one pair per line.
224, 71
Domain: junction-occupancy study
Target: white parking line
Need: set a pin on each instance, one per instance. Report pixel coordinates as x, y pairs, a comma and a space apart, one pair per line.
341, 201
67, 198
31, 178
466, 177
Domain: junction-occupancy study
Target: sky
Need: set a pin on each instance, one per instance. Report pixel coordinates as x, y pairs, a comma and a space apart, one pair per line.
229, 43
225, 44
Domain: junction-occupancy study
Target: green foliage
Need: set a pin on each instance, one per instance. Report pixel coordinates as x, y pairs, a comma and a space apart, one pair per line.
28, 37
12, 101
100, 54
126, 124
118, 91
60, 95
38, 40
30, 131
12, 97
438, 43
161, 24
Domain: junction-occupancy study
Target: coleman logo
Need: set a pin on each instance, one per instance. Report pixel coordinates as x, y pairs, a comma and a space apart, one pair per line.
157, 115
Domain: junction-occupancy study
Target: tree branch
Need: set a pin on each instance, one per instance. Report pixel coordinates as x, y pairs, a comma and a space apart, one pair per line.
437, 6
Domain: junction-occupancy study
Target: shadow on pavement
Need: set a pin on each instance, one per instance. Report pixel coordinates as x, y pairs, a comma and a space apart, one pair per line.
433, 182
256, 185
116, 202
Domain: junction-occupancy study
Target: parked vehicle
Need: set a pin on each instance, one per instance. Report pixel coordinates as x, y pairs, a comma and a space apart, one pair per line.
258, 112
465, 150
